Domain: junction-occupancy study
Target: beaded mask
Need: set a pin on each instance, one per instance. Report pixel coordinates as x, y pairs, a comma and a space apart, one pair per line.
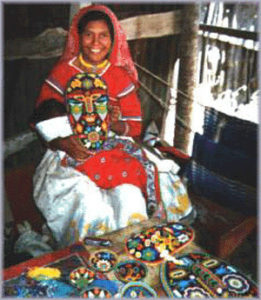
86, 102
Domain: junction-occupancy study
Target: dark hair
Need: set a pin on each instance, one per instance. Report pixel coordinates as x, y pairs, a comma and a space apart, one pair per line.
95, 15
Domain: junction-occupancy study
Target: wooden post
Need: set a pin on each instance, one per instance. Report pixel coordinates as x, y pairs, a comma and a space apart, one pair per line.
188, 53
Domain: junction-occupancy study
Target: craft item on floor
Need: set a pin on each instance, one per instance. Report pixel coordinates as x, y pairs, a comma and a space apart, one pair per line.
27, 287
43, 273
103, 260
24, 286
86, 102
100, 289
81, 277
157, 243
202, 275
130, 270
138, 289
58, 289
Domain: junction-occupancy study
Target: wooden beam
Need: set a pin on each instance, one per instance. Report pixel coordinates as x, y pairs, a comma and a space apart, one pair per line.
152, 26
188, 49
226, 39
243, 34
139, 27
43, 46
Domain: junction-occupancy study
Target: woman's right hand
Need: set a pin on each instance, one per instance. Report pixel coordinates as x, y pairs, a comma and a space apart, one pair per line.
72, 146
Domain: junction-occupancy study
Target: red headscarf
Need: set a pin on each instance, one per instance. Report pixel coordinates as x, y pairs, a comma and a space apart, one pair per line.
120, 54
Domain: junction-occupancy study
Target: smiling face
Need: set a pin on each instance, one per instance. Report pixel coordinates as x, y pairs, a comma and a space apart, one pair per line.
95, 41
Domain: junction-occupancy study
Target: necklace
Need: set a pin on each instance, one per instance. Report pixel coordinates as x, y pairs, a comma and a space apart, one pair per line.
93, 68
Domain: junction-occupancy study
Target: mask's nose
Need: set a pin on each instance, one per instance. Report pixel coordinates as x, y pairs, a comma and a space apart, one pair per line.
89, 102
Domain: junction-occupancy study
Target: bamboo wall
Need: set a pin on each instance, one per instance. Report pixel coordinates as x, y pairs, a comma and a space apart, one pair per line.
157, 55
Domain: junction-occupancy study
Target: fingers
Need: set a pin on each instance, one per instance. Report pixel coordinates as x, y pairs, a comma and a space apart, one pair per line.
72, 146
79, 154
77, 150
115, 112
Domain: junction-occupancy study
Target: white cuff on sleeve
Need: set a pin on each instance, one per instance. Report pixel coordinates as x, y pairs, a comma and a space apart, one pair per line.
54, 128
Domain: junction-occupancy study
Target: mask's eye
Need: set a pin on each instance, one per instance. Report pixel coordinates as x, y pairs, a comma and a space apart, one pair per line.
95, 96
103, 98
79, 97
72, 101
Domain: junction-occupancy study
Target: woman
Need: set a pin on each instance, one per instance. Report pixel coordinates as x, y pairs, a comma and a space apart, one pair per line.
121, 186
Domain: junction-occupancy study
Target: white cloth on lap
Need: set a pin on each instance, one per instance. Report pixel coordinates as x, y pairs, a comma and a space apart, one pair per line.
75, 207
53, 128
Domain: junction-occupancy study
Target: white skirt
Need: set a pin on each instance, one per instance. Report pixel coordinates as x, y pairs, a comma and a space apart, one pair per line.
75, 207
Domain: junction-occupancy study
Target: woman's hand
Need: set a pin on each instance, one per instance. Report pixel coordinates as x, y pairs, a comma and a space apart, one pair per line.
72, 146
115, 112
118, 127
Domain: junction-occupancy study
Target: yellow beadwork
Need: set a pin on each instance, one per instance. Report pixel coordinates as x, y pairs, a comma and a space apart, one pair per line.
76, 83
90, 66
99, 84
40, 273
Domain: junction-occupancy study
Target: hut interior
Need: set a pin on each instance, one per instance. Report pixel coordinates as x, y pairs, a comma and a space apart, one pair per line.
197, 68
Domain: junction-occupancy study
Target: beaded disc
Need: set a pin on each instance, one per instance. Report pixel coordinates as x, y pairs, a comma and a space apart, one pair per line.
131, 270
138, 289
100, 289
81, 277
150, 244
103, 260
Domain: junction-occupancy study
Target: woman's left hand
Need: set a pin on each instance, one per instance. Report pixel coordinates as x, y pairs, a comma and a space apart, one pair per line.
115, 112
116, 125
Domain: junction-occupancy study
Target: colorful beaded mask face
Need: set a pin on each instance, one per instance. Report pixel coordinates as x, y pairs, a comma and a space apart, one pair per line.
86, 102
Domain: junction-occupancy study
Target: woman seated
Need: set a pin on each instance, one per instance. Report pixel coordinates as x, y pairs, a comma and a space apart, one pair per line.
93, 177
